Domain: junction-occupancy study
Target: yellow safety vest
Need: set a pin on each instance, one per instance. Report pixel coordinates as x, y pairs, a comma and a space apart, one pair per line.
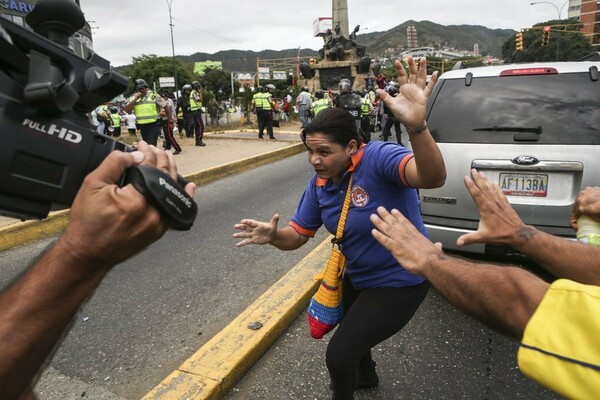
364, 107
116, 119
195, 105
266, 101
319, 105
257, 98
145, 109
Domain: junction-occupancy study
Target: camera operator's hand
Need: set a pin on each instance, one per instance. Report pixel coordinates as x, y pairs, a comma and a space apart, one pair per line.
107, 225
111, 223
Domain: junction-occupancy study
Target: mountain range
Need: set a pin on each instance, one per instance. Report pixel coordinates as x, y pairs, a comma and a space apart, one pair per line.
459, 37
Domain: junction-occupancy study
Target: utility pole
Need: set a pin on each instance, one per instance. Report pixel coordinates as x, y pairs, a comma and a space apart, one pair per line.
169, 3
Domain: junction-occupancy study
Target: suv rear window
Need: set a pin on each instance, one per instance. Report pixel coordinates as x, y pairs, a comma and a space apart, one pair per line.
512, 109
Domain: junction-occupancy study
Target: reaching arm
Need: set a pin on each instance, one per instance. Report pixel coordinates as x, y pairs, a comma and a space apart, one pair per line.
256, 232
108, 224
504, 298
499, 223
426, 169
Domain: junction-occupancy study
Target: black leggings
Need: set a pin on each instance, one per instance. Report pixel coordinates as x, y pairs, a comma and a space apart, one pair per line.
371, 316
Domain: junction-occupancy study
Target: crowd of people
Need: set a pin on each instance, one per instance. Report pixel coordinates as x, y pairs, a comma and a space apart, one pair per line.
155, 115
369, 112
390, 262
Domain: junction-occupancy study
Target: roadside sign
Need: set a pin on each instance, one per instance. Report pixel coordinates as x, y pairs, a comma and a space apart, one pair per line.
168, 81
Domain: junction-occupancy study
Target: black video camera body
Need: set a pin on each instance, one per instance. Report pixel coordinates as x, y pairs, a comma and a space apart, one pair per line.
49, 145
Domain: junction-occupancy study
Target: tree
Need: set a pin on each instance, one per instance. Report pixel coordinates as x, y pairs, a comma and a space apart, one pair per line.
566, 43
151, 67
217, 81
245, 100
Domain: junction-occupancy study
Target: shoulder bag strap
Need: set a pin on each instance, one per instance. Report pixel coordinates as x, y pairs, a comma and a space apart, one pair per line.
342, 222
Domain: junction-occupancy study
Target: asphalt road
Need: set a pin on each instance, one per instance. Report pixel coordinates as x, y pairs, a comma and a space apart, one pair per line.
441, 354
155, 310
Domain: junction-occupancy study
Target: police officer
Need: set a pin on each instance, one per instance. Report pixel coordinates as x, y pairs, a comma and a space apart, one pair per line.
366, 108
320, 104
391, 120
267, 103
116, 121
181, 126
146, 105
349, 101
167, 128
104, 117
257, 106
196, 99
184, 107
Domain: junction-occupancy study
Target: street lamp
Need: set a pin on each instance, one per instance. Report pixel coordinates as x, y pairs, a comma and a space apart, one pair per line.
558, 11
169, 3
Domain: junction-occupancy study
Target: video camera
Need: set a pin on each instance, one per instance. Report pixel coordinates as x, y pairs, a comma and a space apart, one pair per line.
49, 144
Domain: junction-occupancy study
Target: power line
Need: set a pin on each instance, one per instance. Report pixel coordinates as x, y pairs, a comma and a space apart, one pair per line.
214, 34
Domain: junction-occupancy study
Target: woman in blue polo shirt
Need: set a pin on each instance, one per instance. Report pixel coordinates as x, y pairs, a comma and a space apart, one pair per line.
379, 295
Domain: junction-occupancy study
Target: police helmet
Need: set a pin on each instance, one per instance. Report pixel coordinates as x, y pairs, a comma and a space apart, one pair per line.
187, 87
140, 83
196, 85
345, 86
392, 90
261, 89
270, 87
319, 94
114, 110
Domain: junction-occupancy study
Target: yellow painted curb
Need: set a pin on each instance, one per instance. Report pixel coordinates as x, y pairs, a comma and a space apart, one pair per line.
22, 233
215, 368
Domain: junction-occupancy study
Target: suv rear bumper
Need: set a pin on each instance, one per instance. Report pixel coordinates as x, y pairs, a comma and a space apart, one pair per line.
448, 230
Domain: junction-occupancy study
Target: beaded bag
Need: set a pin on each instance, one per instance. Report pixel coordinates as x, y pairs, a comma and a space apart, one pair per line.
326, 310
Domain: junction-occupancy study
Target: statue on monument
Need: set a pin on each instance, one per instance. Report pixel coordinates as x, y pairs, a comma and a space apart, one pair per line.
335, 46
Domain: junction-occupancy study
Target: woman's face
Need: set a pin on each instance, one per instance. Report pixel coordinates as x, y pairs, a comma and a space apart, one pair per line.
329, 159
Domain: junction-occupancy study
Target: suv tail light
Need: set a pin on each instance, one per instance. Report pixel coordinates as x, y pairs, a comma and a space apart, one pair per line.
529, 71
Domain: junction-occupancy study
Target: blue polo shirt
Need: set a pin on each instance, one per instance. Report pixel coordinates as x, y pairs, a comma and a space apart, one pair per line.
379, 179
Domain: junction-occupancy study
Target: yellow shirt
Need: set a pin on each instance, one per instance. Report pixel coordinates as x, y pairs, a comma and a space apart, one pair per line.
560, 348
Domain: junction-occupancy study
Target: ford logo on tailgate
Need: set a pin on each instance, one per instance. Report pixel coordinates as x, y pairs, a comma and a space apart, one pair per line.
525, 160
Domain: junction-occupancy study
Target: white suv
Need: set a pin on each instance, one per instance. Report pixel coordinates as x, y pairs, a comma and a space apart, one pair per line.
532, 128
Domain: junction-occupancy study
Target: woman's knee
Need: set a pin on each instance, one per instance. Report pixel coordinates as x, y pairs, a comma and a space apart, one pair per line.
339, 357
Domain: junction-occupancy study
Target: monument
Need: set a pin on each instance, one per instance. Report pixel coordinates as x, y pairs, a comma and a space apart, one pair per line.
341, 56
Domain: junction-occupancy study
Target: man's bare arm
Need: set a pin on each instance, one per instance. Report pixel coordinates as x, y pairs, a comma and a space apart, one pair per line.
499, 223
501, 297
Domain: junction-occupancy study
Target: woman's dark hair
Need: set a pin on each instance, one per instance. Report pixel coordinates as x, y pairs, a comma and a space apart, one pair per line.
336, 123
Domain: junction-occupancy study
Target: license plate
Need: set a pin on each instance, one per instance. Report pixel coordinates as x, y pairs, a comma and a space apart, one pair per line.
533, 185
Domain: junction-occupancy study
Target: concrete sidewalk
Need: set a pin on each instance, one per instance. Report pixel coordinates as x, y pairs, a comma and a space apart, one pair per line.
225, 153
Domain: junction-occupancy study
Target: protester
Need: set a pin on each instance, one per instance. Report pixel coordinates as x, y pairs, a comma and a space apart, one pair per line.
303, 102
131, 126
558, 324
379, 295
107, 225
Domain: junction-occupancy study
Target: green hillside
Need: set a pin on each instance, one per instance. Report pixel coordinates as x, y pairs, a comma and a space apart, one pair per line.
460, 37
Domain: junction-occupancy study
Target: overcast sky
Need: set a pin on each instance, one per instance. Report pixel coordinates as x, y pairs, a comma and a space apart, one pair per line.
126, 29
